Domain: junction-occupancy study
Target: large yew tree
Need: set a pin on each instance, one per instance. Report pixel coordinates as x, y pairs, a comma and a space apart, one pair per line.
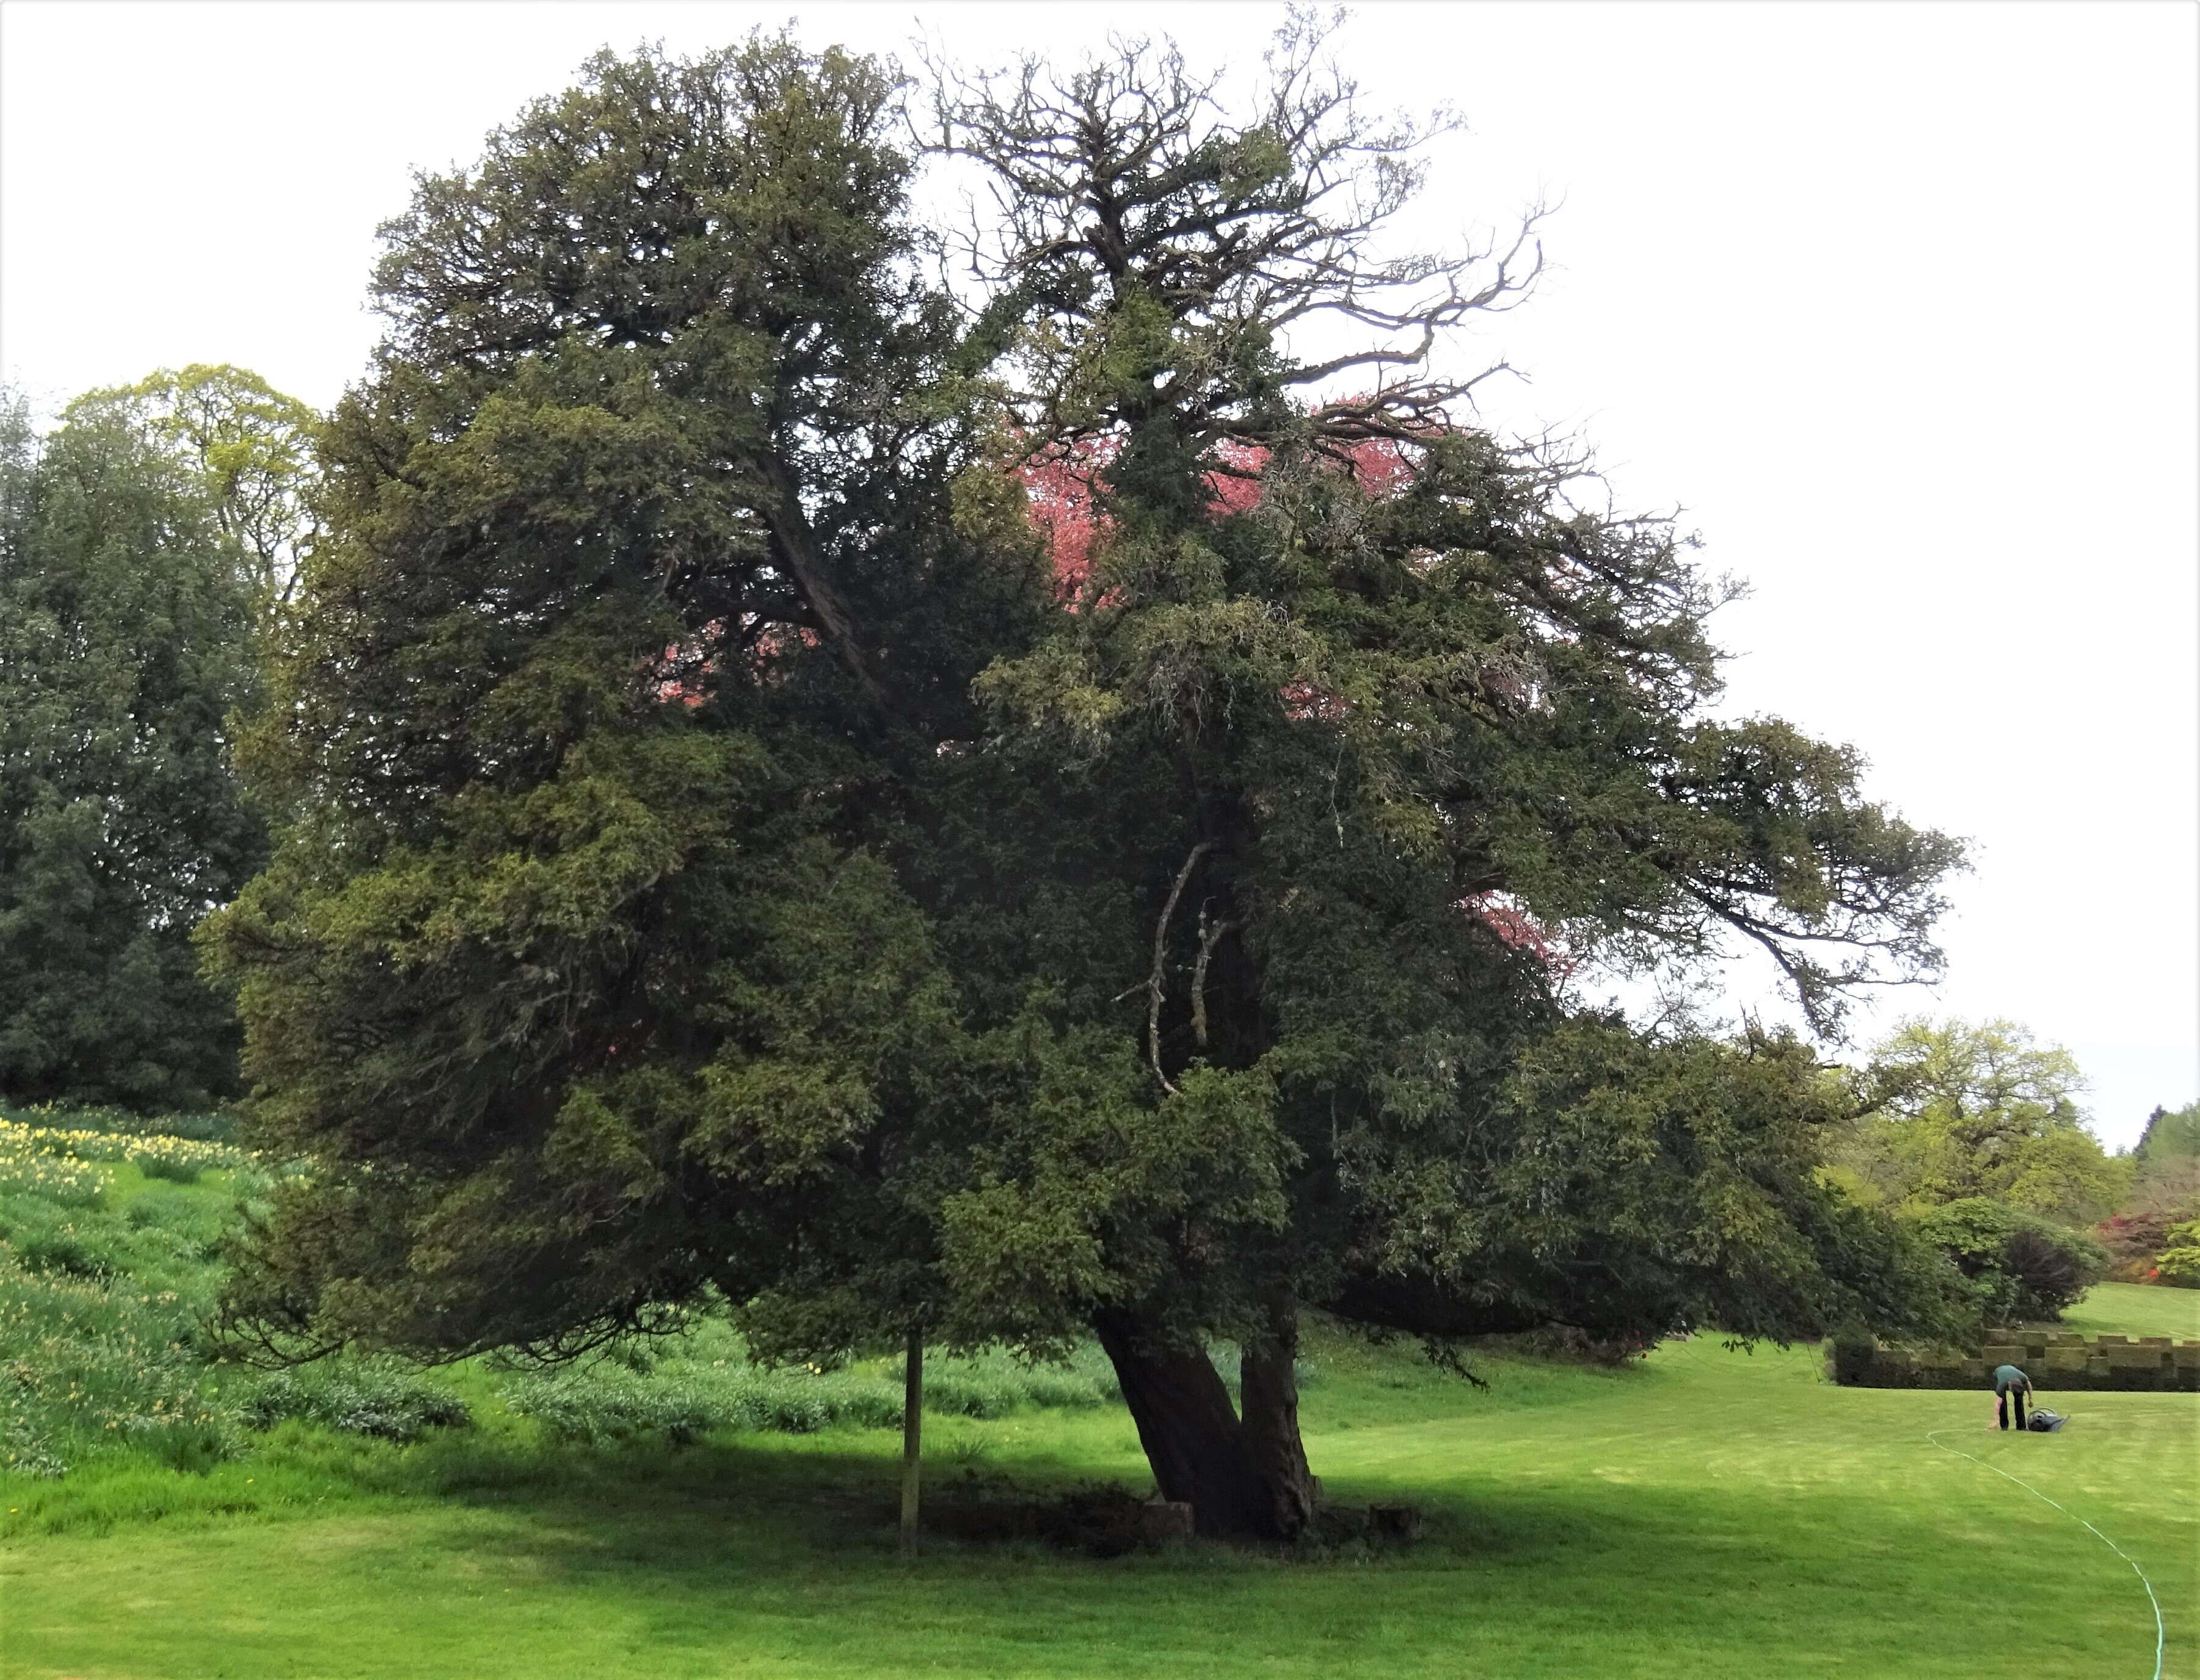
723, 860
1352, 703
660, 547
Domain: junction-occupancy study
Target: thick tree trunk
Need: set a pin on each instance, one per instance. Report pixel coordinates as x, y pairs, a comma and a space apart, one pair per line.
1269, 1391
1241, 1483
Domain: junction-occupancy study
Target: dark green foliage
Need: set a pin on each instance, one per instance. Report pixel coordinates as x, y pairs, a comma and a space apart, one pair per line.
1360, 726
125, 632
715, 867
140, 549
2022, 1269
1850, 1351
1307, 760
576, 970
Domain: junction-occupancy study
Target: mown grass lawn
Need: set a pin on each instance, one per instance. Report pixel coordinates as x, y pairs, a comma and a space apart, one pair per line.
1709, 1514
2128, 1309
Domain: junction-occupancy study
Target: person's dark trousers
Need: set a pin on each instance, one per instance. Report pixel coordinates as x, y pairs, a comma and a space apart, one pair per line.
2012, 1401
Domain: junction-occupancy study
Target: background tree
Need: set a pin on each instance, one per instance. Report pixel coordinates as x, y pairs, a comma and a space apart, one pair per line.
1980, 1111
2165, 1192
2171, 1134
2178, 1262
2022, 1269
2166, 1160
248, 444
127, 618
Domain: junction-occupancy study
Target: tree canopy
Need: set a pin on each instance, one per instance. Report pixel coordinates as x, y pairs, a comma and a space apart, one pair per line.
1980, 1111
722, 859
247, 445
2171, 1135
131, 606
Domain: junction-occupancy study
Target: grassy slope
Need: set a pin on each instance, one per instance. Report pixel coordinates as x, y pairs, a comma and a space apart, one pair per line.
1714, 1513
2129, 1309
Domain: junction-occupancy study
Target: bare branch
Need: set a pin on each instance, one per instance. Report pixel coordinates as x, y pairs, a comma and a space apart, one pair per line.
1209, 937
1154, 981
1124, 185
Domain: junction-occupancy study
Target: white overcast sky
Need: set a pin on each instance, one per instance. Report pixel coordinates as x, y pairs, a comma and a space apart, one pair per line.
1897, 302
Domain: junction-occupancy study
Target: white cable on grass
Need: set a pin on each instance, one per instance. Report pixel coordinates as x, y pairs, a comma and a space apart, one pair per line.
2089, 1528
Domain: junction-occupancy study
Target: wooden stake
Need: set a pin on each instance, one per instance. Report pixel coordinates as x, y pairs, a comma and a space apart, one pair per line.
912, 1437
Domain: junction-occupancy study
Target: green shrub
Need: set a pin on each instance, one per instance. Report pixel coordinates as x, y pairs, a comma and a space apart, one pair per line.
1850, 1351
2022, 1269
2178, 1264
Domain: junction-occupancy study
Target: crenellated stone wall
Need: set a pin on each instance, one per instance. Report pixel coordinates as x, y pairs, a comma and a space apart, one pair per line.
2058, 1362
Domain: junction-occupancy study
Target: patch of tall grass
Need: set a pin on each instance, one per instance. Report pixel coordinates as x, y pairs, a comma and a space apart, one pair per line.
706, 1381
93, 1364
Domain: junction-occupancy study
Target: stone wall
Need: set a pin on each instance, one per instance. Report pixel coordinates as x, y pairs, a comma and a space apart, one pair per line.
2056, 1363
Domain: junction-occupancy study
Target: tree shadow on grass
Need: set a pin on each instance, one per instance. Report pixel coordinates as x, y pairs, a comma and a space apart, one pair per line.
650, 1559
798, 1551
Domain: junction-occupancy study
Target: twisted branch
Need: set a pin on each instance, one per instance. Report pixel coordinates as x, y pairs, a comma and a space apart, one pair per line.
1209, 937
1154, 986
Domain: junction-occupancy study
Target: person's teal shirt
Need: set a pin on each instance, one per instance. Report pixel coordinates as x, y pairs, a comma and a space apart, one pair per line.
2007, 1377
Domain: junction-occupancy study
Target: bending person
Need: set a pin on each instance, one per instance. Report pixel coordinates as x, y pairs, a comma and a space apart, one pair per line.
2012, 1388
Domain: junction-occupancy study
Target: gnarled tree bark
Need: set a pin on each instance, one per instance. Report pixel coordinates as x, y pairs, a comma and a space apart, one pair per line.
1243, 1483
1269, 1395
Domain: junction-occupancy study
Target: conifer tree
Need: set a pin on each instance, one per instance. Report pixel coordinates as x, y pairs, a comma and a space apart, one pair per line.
658, 555
1313, 751
718, 861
